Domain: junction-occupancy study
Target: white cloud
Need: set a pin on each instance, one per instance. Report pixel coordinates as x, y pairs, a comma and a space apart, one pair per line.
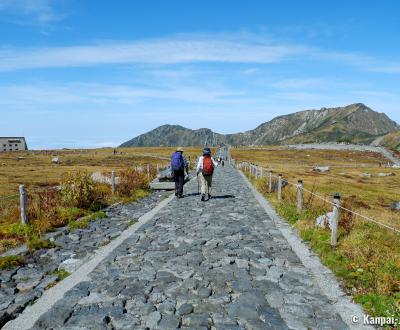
218, 48
182, 49
40, 12
98, 94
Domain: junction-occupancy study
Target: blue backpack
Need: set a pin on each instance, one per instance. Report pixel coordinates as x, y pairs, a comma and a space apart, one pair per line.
177, 161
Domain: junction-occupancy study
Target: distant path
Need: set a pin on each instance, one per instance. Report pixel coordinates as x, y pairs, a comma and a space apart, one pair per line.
222, 264
355, 147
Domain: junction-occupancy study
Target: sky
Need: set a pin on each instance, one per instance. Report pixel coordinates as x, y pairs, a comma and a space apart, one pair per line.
95, 73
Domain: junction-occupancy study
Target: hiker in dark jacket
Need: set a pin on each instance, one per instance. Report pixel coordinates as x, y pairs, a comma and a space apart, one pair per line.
205, 170
178, 166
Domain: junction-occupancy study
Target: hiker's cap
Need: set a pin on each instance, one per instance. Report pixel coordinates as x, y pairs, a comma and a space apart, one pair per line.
206, 151
179, 149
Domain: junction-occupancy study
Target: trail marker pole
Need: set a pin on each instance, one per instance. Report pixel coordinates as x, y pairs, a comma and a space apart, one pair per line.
148, 171
261, 172
299, 195
335, 220
280, 187
113, 182
270, 181
22, 203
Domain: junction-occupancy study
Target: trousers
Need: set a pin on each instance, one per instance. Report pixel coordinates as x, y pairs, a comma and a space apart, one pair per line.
179, 178
205, 183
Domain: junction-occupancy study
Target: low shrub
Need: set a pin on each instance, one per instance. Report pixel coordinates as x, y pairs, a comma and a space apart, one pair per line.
77, 189
131, 180
10, 262
84, 222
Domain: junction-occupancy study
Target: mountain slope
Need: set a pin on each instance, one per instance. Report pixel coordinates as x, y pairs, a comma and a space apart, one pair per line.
353, 123
174, 135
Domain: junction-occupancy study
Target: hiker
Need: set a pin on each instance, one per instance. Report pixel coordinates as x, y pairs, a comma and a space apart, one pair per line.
205, 170
178, 166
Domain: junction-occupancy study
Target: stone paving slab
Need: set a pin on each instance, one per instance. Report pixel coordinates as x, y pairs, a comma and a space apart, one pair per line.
220, 264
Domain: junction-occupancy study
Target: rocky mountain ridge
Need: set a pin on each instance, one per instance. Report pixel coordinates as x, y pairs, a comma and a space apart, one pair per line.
355, 123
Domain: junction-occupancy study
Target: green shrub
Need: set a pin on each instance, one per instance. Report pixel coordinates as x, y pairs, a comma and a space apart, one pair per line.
84, 222
61, 273
35, 243
10, 262
68, 214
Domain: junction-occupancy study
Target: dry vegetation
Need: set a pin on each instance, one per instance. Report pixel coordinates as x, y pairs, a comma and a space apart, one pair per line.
367, 258
59, 194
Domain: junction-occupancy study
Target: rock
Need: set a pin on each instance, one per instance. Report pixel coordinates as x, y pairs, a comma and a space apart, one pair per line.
27, 286
151, 321
321, 169
169, 322
70, 265
185, 309
324, 220
204, 292
366, 175
386, 174
25, 298
74, 237
47, 280
55, 160
395, 206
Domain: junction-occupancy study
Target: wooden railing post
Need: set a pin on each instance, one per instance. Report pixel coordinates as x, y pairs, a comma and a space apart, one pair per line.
22, 203
299, 195
270, 181
280, 187
335, 220
113, 182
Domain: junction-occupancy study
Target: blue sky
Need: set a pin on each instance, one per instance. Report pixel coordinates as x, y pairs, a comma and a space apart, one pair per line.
96, 73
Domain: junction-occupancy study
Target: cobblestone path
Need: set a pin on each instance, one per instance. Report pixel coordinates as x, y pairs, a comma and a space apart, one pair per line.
220, 264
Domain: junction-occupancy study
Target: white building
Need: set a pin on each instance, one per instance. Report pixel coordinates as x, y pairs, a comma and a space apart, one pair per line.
12, 144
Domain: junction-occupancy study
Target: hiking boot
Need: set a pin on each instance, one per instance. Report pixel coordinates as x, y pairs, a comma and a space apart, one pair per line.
203, 198
209, 196
180, 196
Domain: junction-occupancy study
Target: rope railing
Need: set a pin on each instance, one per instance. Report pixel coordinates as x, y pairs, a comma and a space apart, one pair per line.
258, 172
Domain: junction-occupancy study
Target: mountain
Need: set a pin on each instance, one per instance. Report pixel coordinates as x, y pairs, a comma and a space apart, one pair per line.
354, 123
174, 135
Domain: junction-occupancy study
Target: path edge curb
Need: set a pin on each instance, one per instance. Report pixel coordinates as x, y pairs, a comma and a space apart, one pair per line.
322, 276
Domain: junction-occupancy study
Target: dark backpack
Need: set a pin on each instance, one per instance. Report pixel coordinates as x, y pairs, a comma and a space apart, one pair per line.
177, 161
208, 166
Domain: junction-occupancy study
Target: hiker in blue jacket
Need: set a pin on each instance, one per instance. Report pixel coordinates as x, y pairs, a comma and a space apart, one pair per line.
178, 166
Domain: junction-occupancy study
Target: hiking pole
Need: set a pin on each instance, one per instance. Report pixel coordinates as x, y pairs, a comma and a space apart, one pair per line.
198, 185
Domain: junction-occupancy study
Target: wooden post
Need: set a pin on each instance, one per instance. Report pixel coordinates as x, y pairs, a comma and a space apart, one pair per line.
113, 182
299, 195
22, 203
261, 172
270, 181
335, 220
148, 171
280, 187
